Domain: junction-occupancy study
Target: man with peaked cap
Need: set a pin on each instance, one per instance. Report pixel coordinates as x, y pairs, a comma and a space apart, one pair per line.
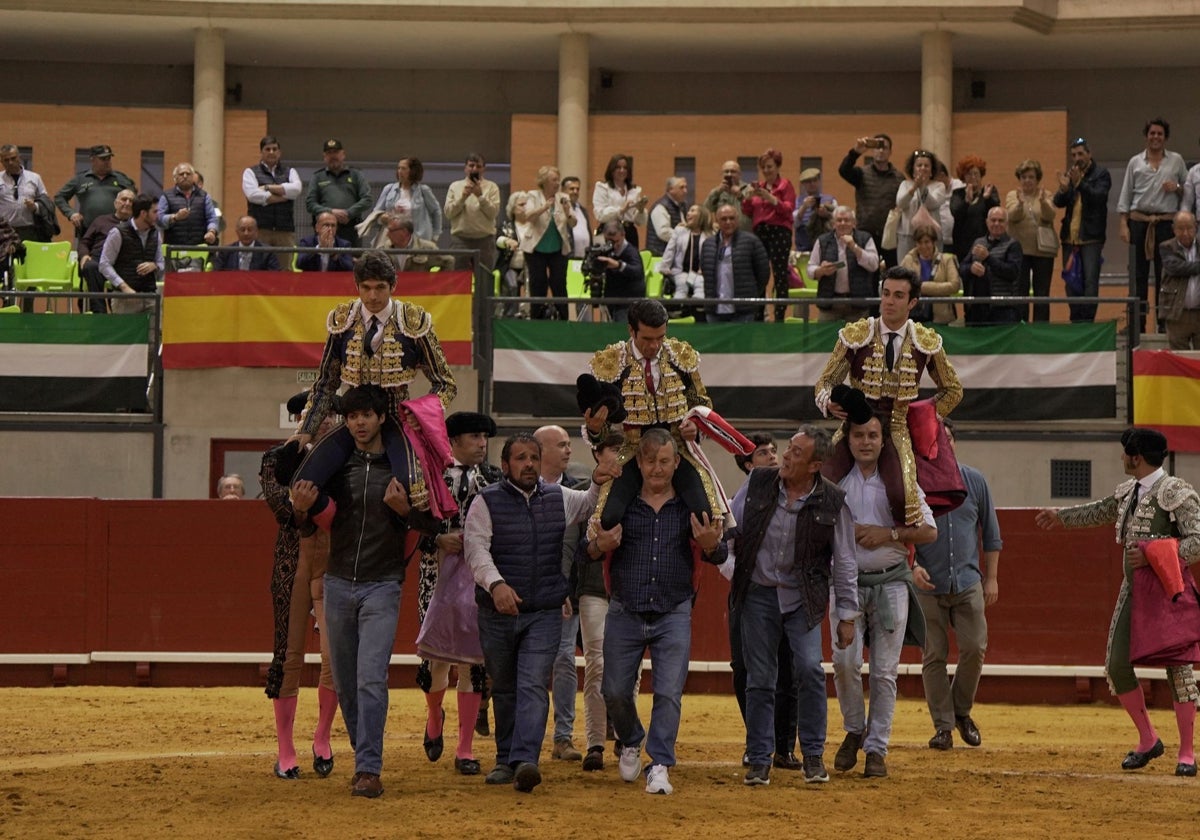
814, 210
469, 433
1149, 506
94, 190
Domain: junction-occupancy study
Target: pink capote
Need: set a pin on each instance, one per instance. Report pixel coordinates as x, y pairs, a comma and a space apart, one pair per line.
937, 468
431, 445
1164, 629
450, 631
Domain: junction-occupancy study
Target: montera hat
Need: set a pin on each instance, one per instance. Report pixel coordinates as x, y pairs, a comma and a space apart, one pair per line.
853, 402
592, 394
470, 422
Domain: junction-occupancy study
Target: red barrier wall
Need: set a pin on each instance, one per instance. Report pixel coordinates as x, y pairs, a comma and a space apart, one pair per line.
86, 575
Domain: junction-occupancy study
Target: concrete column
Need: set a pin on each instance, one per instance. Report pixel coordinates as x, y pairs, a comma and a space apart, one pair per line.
573, 107
937, 100
208, 111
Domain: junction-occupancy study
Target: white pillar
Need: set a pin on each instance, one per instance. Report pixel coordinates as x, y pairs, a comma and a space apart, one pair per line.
208, 110
573, 106
937, 103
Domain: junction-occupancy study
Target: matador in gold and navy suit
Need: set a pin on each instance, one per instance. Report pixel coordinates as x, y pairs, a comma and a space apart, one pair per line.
408, 345
860, 354
678, 388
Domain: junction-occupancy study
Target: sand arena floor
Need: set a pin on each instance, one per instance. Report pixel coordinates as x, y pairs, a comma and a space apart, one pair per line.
183, 763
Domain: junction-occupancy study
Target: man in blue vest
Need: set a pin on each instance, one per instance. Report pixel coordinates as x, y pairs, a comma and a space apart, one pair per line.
513, 539
186, 215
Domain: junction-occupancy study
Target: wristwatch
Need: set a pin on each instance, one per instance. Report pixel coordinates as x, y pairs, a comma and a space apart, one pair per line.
895, 535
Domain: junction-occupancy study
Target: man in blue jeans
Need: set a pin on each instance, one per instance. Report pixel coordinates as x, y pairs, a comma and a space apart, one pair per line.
365, 514
651, 554
794, 538
513, 539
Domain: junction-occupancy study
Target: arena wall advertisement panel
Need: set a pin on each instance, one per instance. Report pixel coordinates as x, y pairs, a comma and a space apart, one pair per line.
70, 363
277, 318
766, 371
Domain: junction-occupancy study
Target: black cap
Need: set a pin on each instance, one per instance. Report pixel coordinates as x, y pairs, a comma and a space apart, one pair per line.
469, 422
853, 402
591, 393
1149, 442
100, 151
332, 146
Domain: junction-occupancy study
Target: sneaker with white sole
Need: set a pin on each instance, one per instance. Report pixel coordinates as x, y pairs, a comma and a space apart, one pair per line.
657, 780
630, 763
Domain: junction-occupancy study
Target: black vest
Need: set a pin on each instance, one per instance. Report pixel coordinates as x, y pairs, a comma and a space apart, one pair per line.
278, 216
655, 245
133, 252
862, 282
815, 523
527, 544
191, 230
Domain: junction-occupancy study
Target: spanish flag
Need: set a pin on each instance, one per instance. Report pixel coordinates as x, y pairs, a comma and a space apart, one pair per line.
277, 319
1166, 396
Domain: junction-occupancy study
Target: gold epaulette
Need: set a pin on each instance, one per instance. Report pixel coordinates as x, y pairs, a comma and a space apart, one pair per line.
414, 320
682, 354
926, 339
606, 364
341, 318
857, 334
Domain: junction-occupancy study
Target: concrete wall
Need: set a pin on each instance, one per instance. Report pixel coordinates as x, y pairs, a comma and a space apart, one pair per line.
108, 464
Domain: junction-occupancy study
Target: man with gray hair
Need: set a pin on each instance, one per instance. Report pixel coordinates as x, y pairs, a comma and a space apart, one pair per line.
186, 216
794, 538
845, 264
666, 215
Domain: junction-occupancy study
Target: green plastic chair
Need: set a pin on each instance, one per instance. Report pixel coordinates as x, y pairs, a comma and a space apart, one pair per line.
576, 284
47, 267
654, 278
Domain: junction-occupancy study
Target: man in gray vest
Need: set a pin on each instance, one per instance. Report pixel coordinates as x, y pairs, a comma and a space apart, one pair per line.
794, 538
665, 215
845, 264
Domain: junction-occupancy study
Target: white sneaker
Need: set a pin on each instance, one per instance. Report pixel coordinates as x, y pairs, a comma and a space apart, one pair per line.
657, 780
630, 763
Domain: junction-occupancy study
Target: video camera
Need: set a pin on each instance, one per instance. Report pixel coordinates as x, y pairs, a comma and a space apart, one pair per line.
593, 270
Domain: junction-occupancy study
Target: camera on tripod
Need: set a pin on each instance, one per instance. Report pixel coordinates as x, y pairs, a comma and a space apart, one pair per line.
593, 270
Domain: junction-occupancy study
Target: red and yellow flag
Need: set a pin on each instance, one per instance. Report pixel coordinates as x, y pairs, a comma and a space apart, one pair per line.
277, 319
1166, 396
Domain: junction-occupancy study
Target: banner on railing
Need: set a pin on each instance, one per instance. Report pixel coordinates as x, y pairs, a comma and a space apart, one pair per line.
1166, 396
767, 371
74, 363
277, 319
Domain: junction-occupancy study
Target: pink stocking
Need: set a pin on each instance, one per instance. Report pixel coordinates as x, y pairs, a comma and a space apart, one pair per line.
1185, 717
1135, 704
433, 723
468, 711
285, 717
327, 703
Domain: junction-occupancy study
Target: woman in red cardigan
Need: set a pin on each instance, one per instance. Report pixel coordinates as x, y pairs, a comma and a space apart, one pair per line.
769, 207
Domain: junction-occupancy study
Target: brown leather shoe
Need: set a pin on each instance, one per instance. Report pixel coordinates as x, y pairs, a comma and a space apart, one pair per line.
368, 785
847, 754
943, 740
564, 750
875, 767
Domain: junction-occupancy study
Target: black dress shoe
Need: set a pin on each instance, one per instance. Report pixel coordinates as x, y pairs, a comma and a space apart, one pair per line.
968, 730
322, 766
787, 761
1182, 769
1135, 760
942, 740
466, 766
434, 746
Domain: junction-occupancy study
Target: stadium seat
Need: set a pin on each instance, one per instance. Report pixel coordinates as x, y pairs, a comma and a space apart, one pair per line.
576, 283
654, 279
47, 267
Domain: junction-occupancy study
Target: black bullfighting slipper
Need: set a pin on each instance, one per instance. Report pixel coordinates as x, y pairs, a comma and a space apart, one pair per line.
1182, 769
466, 766
1135, 760
322, 766
433, 746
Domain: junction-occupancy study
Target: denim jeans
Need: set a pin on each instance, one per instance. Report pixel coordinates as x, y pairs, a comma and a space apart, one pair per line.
885, 665
762, 626
785, 687
518, 651
626, 637
1089, 256
360, 619
566, 680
